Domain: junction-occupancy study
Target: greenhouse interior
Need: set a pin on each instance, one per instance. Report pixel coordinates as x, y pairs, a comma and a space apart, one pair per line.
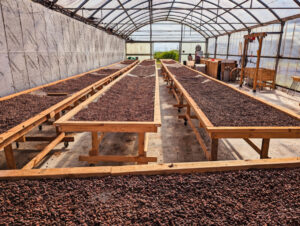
158, 112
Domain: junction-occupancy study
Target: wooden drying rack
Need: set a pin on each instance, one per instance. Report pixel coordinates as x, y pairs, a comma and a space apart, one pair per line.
217, 132
19, 132
66, 125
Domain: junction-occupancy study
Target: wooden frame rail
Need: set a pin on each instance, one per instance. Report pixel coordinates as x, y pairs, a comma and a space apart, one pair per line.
66, 125
18, 133
153, 169
214, 132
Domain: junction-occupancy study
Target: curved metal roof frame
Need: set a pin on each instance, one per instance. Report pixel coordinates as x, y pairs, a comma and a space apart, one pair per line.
193, 5
126, 14
169, 9
181, 15
162, 18
171, 19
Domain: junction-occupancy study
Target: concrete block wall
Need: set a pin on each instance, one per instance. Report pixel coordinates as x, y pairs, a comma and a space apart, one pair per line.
38, 46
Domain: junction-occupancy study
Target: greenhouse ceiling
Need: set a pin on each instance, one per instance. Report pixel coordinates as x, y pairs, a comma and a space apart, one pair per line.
210, 18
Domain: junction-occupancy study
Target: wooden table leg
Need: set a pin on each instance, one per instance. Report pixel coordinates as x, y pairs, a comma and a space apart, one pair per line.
56, 117
265, 148
9, 155
95, 144
141, 150
214, 149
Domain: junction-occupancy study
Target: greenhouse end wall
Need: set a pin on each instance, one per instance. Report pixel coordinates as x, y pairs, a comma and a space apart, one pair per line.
38, 46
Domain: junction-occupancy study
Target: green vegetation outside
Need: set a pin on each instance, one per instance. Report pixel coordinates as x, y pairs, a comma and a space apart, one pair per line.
172, 54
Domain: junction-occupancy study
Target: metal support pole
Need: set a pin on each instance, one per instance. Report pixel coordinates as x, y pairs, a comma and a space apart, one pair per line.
125, 49
180, 44
228, 43
216, 46
206, 47
278, 52
151, 44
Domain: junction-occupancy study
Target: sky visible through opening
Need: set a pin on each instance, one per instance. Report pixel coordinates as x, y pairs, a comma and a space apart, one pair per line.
161, 47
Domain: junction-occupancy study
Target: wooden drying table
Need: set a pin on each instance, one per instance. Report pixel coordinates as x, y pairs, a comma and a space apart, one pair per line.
66, 125
184, 100
18, 133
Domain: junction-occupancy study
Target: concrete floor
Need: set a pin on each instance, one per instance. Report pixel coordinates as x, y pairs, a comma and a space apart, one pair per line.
174, 142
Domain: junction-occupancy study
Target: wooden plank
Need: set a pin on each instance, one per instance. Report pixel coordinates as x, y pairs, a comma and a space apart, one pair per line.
9, 155
57, 94
255, 135
153, 169
67, 138
34, 162
157, 114
254, 132
78, 126
115, 158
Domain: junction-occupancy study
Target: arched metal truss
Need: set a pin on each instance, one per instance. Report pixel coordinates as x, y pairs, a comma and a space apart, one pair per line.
207, 17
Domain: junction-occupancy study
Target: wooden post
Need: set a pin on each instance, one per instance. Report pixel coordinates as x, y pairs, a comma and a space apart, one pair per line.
95, 144
265, 149
214, 149
9, 155
260, 39
56, 117
243, 61
141, 150
188, 110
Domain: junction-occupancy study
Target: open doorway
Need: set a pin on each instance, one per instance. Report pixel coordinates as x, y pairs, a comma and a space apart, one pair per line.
164, 50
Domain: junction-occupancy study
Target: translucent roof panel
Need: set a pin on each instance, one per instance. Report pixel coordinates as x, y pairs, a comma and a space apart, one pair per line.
209, 18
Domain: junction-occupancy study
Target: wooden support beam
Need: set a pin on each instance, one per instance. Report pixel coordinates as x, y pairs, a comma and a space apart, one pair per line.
57, 94
260, 39
115, 158
95, 144
214, 149
141, 146
153, 169
245, 50
35, 161
184, 117
9, 155
67, 138
199, 138
265, 148
253, 145
56, 117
